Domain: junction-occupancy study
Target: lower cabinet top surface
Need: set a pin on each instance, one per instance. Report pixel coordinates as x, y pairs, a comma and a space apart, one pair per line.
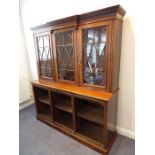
100, 94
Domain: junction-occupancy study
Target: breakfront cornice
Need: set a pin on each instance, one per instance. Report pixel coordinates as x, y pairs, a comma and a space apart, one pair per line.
112, 12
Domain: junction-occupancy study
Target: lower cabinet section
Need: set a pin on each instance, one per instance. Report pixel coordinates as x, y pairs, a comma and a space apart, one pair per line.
81, 117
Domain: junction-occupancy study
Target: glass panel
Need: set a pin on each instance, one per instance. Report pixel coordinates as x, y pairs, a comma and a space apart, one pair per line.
40, 41
46, 41
44, 50
94, 55
65, 56
68, 38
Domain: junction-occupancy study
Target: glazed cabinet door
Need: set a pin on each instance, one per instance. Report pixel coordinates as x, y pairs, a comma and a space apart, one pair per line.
64, 45
44, 55
94, 56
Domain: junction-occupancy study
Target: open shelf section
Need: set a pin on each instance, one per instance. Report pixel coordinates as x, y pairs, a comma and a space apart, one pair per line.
63, 118
91, 131
44, 99
44, 110
62, 102
42, 95
90, 111
92, 114
64, 106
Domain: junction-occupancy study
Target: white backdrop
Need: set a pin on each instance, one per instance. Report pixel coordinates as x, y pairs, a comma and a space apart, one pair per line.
24, 73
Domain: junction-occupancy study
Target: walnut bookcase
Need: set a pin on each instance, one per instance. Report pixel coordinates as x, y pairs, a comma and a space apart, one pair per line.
78, 61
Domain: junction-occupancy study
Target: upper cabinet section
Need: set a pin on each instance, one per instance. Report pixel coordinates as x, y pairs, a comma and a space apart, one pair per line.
64, 44
44, 53
82, 50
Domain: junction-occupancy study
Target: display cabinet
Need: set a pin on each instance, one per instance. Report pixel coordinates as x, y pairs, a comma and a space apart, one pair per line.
78, 60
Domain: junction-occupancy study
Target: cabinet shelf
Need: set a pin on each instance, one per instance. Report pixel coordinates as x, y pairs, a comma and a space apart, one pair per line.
42, 95
64, 106
92, 131
44, 111
92, 113
62, 102
90, 110
44, 99
46, 115
63, 119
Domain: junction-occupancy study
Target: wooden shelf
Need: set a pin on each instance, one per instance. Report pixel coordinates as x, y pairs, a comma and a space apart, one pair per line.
64, 105
44, 99
45, 114
65, 120
92, 131
91, 113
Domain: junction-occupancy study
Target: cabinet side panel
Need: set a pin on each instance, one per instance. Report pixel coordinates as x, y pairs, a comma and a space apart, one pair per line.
35, 98
117, 27
112, 117
36, 53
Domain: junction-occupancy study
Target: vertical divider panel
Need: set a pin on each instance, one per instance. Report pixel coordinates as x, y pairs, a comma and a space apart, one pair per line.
79, 57
73, 114
51, 104
105, 133
53, 54
75, 55
55, 57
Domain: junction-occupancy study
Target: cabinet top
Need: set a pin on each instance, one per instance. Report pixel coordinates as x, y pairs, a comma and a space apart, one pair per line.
103, 14
100, 95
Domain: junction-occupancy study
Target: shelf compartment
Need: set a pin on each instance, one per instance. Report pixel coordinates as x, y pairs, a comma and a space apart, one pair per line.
42, 95
91, 130
90, 111
63, 118
62, 102
44, 99
64, 106
44, 110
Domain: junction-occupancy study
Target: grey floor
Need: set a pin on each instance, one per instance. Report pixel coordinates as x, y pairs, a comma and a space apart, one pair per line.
36, 138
